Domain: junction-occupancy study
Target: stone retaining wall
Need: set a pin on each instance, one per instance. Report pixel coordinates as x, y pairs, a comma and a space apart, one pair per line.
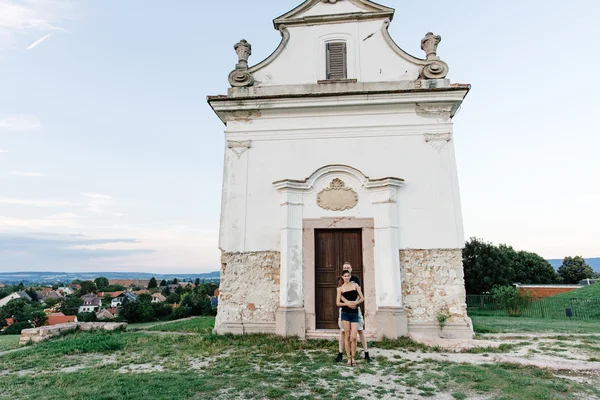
36, 335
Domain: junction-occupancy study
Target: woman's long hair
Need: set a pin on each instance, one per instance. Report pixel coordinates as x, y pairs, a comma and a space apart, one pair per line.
340, 280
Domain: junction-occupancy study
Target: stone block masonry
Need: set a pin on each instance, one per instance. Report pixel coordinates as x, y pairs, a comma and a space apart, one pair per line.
36, 335
433, 283
249, 292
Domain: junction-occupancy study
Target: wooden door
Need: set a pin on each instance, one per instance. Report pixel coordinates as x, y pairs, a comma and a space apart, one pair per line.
333, 247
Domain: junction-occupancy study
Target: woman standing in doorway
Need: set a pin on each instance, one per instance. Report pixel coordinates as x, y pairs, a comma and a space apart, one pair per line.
349, 296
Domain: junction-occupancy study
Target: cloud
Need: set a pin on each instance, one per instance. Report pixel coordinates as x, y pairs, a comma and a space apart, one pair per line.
20, 19
98, 202
67, 247
29, 174
53, 222
23, 122
36, 203
3, 151
37, 42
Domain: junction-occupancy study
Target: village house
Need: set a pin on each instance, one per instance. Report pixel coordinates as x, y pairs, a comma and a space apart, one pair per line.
339, 147
66, 291
91, 303
13, 296
2, 285
104, 315
51, 294
158, 298
121, 298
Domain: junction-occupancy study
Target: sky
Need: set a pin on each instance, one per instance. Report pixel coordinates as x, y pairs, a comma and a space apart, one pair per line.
111, 159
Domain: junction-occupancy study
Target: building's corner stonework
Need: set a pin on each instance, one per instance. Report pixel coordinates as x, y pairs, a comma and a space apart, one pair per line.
248, 292
433, 283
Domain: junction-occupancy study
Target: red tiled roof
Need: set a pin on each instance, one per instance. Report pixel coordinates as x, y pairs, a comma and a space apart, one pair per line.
55, 319
112, 294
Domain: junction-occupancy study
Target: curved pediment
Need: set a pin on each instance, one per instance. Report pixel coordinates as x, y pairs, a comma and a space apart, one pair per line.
330, 11
363, 52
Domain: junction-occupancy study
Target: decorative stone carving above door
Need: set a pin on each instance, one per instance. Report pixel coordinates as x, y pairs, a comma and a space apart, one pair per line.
337, 197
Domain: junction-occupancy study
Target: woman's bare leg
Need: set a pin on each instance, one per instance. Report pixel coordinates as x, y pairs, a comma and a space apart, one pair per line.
353, 333
347, 338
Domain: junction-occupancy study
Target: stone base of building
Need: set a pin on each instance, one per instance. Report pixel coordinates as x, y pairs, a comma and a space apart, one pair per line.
433, 286
290, 321
248, 292
392, 322
450, 331
244, 328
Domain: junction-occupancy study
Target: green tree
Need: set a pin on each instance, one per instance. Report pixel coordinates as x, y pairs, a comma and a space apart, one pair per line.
87, 287
145, 298
197, 282
87, 317
163, 283
530, 268
106, 300
32, 293
70, 305
101, 282
152, 284
574, 269
137, 311
486, 265
174, 298
38, 318
20, 287
51, 302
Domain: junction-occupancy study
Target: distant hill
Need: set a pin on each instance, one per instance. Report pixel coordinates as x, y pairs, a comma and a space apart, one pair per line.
592, 262
55, 277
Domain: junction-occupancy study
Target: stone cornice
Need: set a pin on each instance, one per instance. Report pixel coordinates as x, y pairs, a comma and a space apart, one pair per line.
371, 9
308, 183
224, 106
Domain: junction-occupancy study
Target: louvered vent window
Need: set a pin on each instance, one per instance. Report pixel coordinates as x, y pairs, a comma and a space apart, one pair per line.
336, 60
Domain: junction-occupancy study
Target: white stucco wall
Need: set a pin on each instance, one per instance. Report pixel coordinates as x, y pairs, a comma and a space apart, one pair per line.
385, 141
370, 58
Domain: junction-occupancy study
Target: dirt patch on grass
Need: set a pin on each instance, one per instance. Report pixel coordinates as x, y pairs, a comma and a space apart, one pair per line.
141, 368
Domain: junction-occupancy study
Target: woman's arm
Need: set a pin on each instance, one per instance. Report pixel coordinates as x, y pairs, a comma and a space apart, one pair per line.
361, 298
341, 301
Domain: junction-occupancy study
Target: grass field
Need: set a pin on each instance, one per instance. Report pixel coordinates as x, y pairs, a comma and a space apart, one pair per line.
196, 325
140, 365
488, 324
9, 342
586, 292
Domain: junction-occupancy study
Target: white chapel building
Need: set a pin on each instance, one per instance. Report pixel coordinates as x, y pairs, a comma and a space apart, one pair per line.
339, 147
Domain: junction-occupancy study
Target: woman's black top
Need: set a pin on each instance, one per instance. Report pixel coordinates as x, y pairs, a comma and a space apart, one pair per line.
350, 295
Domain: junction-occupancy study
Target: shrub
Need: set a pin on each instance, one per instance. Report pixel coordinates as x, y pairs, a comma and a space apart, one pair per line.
17, 327
511, 299
180, 312
87, 317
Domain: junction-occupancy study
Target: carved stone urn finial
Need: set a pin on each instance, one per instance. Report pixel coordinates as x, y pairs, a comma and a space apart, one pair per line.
434, 68
429, 45
244, 51
240, 76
